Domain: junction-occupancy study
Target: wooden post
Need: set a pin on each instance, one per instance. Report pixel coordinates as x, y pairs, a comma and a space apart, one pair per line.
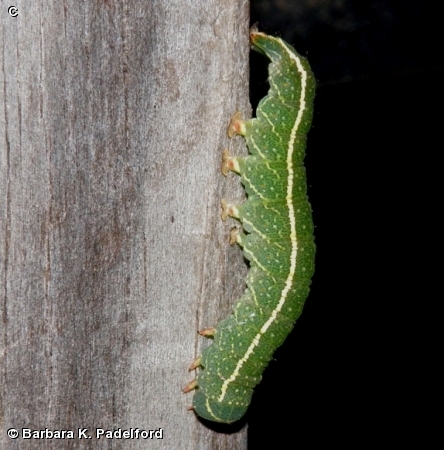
113, 119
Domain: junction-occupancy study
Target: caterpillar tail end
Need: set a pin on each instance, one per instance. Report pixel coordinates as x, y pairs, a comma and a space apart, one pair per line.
215, 411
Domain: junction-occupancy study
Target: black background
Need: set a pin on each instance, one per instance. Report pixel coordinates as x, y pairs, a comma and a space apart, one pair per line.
343, 377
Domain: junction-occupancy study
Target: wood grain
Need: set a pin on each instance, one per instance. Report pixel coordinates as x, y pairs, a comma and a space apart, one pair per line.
113, 118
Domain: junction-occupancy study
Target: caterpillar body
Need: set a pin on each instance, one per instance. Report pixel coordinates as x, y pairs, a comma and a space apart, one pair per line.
277, 239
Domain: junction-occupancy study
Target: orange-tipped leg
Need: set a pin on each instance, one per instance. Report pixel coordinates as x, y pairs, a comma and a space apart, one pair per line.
195, 364
208, 332
190, 386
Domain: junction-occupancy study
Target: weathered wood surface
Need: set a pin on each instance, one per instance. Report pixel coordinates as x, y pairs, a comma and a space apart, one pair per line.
113, 118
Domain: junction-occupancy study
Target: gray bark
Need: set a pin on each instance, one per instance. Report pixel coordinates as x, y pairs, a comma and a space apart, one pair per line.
113, 118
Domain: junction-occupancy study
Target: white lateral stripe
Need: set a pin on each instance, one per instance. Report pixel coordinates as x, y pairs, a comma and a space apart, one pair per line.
289, 199
207, 404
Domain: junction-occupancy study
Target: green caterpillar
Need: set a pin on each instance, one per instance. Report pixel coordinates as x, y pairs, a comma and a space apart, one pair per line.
278, 239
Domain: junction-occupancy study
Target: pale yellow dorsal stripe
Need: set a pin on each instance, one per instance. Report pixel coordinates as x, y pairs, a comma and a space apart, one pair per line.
294, 246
